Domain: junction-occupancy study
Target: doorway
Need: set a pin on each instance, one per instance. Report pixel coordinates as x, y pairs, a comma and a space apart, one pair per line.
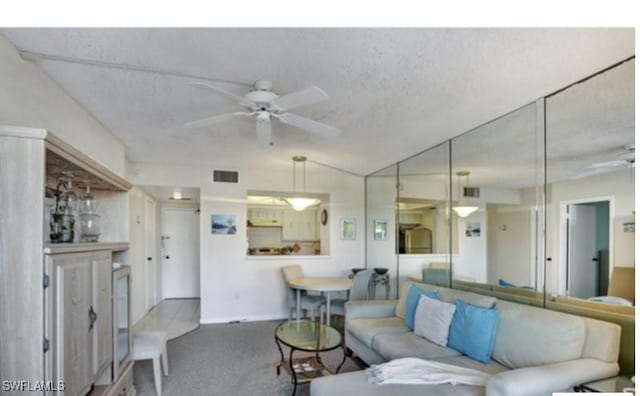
586, 239
180, 261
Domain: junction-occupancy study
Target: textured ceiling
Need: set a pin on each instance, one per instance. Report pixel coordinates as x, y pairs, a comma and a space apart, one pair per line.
394, 92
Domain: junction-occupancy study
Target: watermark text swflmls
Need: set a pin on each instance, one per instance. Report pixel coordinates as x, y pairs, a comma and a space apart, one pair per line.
32, 386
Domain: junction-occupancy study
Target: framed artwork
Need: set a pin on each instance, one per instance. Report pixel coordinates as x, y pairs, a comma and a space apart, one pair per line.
222, 224
380, 229
348, 229
472, 229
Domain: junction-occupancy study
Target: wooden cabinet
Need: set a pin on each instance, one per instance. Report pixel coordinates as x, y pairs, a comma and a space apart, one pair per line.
80, 332
300, 226
51, 294
410, 218
102, 297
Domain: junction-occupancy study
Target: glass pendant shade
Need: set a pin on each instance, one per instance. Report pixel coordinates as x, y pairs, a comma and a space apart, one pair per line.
299, 204
463, 210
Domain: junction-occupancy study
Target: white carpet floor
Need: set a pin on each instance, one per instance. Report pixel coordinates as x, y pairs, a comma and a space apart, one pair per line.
227, 359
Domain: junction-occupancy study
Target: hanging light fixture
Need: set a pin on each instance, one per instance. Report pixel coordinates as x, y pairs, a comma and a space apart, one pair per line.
461, 209
299, 202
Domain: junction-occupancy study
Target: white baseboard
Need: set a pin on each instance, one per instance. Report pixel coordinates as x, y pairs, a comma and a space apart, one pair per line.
253, 318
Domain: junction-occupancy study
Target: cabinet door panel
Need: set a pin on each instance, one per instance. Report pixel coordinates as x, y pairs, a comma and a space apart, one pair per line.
73, 339
102, 328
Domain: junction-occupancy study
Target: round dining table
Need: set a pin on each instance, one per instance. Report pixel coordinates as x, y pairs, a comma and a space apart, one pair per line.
325, 285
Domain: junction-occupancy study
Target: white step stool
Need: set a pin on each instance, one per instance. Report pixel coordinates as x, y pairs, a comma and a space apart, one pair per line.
152, 345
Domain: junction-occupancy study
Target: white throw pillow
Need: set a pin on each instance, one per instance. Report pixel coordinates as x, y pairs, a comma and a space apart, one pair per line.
433, 319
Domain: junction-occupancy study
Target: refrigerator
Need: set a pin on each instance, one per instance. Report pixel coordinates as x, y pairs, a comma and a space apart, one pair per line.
418, 241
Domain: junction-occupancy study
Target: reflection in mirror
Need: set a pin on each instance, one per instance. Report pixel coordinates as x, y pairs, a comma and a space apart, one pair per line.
590, 215
423, 232
381, 207
497, 170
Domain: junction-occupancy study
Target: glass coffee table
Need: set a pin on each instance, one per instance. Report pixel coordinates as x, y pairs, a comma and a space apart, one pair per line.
617, 384
306, 336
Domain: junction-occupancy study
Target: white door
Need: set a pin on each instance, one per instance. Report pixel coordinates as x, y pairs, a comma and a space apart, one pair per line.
582, 256
151, 285
181, 253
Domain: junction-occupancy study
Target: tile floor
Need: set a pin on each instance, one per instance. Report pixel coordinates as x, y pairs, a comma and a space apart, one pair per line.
175, 316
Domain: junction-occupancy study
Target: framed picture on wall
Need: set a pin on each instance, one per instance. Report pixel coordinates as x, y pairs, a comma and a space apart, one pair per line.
348, 229
222, 224
380, 229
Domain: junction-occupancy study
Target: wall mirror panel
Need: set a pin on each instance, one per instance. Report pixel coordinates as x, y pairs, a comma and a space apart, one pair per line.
381, 198
424, 235
497, 172
590, 175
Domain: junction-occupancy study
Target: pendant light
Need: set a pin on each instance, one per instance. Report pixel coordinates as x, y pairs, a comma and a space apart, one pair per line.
461, 209
299, 202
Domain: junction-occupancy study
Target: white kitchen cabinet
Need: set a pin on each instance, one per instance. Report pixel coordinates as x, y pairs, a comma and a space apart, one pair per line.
265, 215
299, 226
410, 218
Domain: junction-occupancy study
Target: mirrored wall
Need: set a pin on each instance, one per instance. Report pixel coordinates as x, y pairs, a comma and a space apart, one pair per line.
534, 206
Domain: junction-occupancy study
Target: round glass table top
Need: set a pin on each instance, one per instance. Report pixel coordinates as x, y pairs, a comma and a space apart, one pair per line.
306, 335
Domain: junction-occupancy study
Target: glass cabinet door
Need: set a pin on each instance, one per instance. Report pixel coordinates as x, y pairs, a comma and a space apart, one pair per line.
122, 318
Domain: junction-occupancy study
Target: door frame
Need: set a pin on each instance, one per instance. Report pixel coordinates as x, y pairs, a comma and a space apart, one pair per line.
562, 233
151, 285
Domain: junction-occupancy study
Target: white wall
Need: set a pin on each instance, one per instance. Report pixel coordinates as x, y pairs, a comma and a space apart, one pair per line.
30, 98
234, 287
509, 244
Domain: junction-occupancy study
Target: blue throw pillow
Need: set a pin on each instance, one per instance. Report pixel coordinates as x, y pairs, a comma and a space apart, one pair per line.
412, 303
473, 331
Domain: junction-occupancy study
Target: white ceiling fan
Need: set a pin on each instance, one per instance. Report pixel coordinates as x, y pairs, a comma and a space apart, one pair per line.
624, 159
265, 105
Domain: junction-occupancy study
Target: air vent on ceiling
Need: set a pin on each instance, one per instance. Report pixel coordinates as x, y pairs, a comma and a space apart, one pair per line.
225, 176
472, 192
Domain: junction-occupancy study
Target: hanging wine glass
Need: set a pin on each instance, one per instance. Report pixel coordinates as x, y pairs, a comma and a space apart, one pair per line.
63, 219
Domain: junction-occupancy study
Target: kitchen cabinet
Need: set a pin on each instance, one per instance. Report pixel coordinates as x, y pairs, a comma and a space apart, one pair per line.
410, 218
300, 226
265, 215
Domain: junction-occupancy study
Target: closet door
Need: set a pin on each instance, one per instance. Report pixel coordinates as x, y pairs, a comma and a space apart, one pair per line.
74, 345
103, 327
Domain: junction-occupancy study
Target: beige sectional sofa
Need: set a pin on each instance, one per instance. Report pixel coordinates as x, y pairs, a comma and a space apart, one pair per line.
536, 352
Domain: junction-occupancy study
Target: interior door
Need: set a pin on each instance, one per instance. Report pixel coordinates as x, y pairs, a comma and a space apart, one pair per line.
151, 289
180, 253
582, 261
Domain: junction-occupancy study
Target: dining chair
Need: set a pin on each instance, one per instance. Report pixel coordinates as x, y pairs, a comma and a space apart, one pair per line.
359, 291
308, 303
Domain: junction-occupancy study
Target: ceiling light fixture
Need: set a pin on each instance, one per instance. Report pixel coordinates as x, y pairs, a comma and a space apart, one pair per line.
461, 209
299, 202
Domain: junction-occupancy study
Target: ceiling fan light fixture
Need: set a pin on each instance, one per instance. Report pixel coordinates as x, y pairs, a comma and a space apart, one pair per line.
463, 210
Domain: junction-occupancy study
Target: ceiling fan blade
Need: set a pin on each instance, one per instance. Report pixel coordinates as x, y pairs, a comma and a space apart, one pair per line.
300, 98
607, 164
309, 125
594, 171
214, 120
219, 90
263, 130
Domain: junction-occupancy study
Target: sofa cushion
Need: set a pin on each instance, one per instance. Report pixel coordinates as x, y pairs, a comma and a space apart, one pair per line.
433, 319
395, 346
366, 329
401, 307
412, 303
530, 336
473, 331
451, 295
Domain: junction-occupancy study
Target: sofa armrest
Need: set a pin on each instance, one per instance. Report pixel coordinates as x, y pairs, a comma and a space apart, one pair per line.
555, 377
370, 309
